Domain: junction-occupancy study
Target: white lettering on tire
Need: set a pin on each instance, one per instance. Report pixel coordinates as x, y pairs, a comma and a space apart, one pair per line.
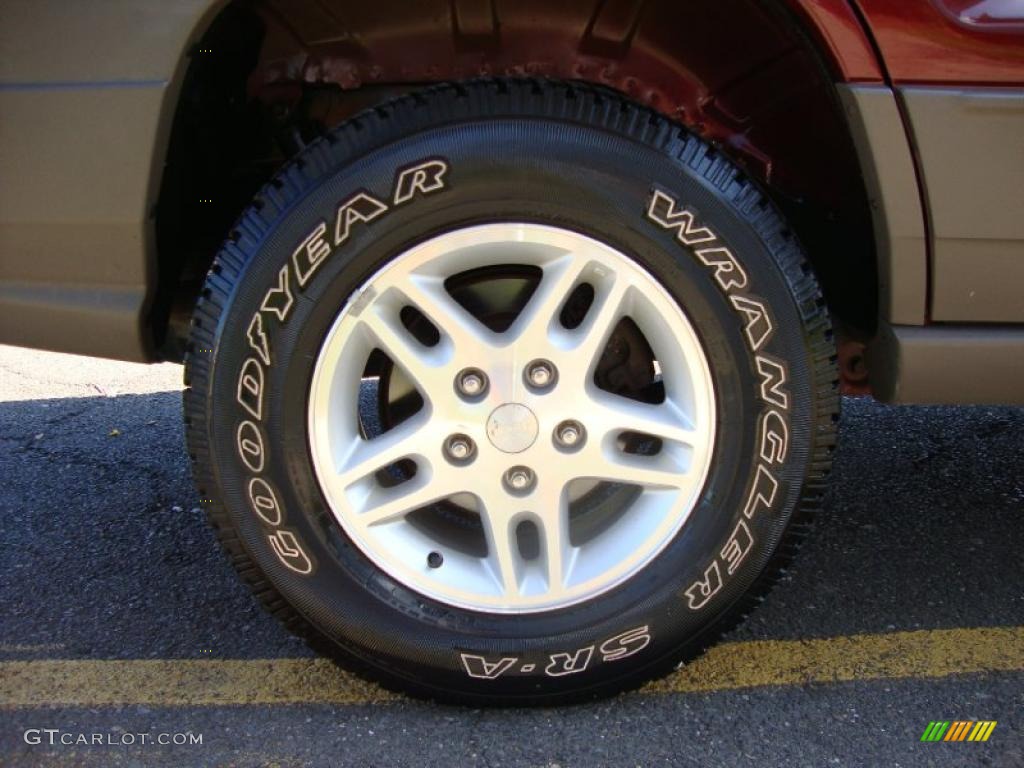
737, 547
306, 259
560, 663
773, 430
424, 178
762, 492
360, 208
310, 254
774, 437
286, 547
249, 392
759, 325
704, 589
250, 446
478, 666
728, 272
662, 209
264, 502
773, 376
625, 644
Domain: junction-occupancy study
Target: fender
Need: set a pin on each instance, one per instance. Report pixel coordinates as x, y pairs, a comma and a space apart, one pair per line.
118, 308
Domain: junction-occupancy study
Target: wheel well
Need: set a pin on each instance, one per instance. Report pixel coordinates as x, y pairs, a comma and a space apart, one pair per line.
270, 75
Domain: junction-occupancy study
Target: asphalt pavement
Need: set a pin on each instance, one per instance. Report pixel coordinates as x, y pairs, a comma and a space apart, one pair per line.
111, 585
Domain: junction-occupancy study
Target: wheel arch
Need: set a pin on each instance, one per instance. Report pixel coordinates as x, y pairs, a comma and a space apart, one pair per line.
756, 79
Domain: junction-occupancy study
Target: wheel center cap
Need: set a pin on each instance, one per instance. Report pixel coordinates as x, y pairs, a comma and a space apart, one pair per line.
512, 427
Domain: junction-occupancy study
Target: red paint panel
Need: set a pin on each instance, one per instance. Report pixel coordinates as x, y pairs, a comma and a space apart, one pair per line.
984, 14
743, 73
951, 42
839, 33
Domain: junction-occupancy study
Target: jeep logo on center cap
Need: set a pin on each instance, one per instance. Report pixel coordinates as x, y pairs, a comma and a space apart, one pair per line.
512, 428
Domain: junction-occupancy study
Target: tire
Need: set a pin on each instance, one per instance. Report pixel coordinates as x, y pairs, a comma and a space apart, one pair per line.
713, 276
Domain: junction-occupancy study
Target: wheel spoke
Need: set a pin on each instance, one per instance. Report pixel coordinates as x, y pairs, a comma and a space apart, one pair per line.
556, 549
532, 326
652, 472
365, 457
372, 503
590, 339
502, 551
422, 364
610, 415
386, 505
467, 336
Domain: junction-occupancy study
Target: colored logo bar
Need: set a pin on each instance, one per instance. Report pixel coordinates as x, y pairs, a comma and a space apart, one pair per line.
958, 730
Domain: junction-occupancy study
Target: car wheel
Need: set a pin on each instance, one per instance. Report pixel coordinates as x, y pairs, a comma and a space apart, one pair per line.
510, 392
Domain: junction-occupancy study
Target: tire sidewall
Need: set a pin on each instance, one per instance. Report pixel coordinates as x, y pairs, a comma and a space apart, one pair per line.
537, 170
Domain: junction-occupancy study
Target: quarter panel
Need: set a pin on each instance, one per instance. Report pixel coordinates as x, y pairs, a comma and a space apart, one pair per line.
54, 41
86, 93
897, 217
948, 41
970, 143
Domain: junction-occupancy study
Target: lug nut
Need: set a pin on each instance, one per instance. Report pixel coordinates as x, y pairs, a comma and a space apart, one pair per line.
471, 385
540, 374
458, 448
519, 479
569, 434
471, 382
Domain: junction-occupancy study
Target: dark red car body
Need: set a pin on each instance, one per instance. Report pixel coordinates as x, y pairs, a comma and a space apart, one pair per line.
950, 42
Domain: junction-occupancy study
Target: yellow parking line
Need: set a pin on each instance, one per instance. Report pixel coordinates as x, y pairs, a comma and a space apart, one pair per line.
925, 653
180, 682
205, 682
